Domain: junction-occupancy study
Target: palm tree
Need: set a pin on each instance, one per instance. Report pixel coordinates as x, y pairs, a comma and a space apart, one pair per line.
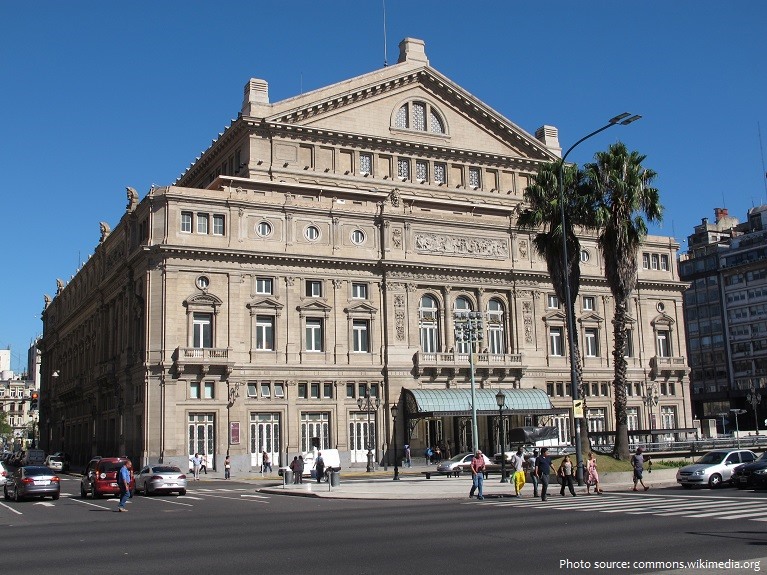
623, 197
543, 214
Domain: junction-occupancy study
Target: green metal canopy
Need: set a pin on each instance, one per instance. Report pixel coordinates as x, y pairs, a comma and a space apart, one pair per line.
457, 402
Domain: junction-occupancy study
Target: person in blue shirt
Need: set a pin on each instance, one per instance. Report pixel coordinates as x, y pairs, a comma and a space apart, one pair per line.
123, 482
542, 471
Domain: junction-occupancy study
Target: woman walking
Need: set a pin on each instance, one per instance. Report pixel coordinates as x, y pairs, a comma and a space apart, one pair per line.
592, 478
565, 473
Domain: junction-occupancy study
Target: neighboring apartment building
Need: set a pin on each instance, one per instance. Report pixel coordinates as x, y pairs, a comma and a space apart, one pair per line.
318, 253
18, 400
726, 317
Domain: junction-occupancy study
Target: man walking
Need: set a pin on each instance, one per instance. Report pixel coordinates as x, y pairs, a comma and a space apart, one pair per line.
123, 482
542, 470
319, 467
196, 465
518, 466
477, 474
531, 470
637, 462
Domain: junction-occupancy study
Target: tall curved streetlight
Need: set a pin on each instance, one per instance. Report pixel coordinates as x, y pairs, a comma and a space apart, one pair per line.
623, 120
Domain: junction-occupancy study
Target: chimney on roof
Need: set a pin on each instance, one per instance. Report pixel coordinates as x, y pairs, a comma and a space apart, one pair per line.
720, 214
549, 136
255, 98
412, 50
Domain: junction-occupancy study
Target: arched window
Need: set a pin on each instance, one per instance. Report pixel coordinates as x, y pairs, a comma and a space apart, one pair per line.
428, 324
462, 305
495, 332
419, 116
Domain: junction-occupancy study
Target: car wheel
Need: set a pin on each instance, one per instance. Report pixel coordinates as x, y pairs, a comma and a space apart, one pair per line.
55, 496
5, 494
149, 490
686, 486
16, 497
94, 494
715, 481
182, 492
83, 492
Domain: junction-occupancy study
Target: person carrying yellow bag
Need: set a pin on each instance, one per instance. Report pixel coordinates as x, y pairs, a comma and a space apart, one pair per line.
518, 465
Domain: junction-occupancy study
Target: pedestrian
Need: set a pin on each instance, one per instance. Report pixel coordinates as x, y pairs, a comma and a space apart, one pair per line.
531, 470
408, 459
437, 454
477, 474
542, 470
266, 463
123, 482
566, 472
294, 469
196, 464
204, 463
637, 462
592, 479
300, 468
518, 467
319, 467
428, 453
227, 468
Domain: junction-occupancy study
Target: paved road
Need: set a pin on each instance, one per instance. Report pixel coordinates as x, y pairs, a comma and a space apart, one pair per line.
228, 526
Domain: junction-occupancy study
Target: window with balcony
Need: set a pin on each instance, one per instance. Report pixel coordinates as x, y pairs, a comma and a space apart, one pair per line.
428, 313
663, 343
203, 330
495, 331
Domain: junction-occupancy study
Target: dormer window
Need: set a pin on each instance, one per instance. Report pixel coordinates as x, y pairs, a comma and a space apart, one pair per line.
419, 116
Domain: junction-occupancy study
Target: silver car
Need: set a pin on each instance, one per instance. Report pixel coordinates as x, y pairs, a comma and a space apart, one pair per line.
5, 472
32, 481
156, 478
714, 468
461, 463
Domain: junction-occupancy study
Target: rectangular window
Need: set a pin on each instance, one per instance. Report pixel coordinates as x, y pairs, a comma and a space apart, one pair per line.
421, 171
552, 301
302, 390
314, 334
555, 340
218, 225
209, 390
645, 261
203, 330
194, 390
628, 351
327, 390
366, 164
279, 390
361, 336
313, 288
654, 261
265, 333
315, 389
359, 291
202, 223
266, 390
664, 343
591, 340
403, 168
474, 179
440, 173
362, 390
252, 390
350, 390
264, 286
589, 302
664, 263
186, 222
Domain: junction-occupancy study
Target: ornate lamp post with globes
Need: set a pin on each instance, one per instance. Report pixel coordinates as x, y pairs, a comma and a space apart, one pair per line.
369, 404
500, 399
394, 433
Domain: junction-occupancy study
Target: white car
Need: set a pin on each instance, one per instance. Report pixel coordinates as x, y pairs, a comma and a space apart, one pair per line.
462, 463
54, 463
714, 468
5, 472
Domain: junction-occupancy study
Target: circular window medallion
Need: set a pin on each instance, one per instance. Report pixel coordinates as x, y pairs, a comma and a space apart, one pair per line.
311, 233
202, 282
358, 237
264, 229
660, 307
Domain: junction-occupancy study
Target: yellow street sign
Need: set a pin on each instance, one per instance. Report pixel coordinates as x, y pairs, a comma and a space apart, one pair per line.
578, 408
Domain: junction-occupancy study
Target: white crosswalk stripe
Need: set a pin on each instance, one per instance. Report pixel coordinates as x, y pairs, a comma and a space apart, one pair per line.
721, 507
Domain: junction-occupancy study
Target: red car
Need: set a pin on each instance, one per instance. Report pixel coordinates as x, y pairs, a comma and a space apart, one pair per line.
100, 477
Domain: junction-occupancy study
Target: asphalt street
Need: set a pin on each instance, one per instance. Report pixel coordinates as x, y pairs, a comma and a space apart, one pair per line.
230, 526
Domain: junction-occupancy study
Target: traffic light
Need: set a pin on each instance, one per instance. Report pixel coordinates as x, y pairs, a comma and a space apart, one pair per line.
33, 400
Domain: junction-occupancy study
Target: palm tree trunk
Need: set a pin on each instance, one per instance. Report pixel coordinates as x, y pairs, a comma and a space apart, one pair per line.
621, 446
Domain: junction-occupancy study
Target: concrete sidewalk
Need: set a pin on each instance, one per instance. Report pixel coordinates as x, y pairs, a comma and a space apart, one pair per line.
414, 485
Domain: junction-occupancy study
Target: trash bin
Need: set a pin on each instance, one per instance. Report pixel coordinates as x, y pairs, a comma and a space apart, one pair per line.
287, 476
335, 478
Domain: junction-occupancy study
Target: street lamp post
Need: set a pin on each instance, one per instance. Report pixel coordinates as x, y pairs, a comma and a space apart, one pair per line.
232, 393
723, 415
394, 434
470, 329
754, 397
650, 401
369, 404
737, 412
622, 119
500, 399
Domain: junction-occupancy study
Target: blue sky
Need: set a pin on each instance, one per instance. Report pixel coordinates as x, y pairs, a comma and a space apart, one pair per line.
96, 96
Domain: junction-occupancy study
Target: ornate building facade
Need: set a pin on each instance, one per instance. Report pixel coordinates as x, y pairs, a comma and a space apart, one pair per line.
318, 253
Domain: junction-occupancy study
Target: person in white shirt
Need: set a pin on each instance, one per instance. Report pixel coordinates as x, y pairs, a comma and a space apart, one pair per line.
518, 465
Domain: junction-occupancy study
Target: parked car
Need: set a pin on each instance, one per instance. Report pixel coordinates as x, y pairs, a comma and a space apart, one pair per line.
5, 472
156, 478
751, 475
56, 463
100, 477
32, 481
462, 462
34, 457
714, 468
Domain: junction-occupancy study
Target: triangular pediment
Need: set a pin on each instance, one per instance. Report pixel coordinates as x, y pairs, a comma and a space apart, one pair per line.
591, 317
265, 303
556, 316
314, 306
367, 105
361, 308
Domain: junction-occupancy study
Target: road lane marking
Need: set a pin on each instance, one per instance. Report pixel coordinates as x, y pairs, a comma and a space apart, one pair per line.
89, 503
256, 495
234, 498
190, 497
168, 501
11, 509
